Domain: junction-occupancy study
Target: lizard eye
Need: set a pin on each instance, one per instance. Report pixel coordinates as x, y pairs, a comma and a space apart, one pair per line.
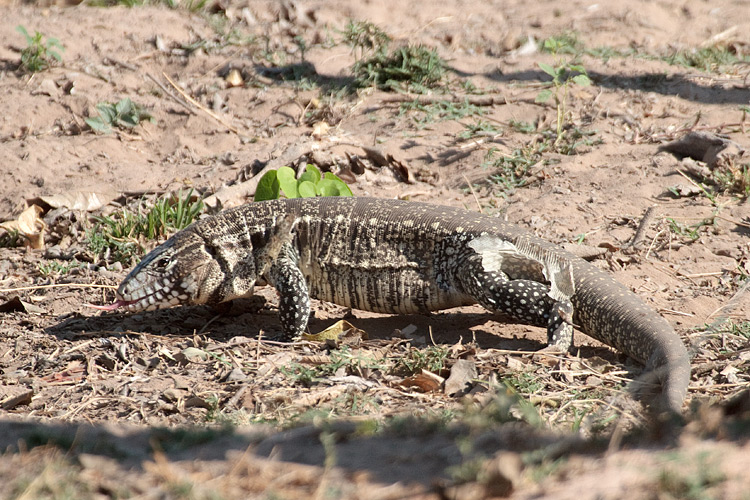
162, 263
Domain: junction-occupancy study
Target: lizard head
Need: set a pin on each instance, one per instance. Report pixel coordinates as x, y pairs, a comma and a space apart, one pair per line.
180, 271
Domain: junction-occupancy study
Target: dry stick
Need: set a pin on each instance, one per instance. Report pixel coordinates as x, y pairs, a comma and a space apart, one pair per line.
201, 107
232, 403
720, 37
170, 94
84, 404
743, 224
471, 188
257, 345
699, 186
675, 312
640, 233
694, 127
117, 62
427, 99
56, 285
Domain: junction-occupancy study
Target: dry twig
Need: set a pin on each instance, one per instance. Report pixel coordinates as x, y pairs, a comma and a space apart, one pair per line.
201, 107
458, 99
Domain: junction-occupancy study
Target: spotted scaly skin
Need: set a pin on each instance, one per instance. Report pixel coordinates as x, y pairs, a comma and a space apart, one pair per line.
403, 257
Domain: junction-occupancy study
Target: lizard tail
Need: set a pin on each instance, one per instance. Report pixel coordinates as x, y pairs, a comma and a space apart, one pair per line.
609, 312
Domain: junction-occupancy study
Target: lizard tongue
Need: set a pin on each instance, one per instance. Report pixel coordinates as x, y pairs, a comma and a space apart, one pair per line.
111, 307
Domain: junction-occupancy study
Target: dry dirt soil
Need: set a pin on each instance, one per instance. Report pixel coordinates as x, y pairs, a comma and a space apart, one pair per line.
188, 403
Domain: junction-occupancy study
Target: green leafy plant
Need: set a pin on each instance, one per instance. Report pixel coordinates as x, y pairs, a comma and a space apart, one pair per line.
740, 329
365, 38
573, 139
512, 171
440, 110
353, 361
566, 43
563, 76
480, 127
190, 5
39, 53
123, 3
734, 178
310, 184
692, 231
123, 114
11, 239
708, 59
56, 268
118, 237
433, 358
415, 66
523, 126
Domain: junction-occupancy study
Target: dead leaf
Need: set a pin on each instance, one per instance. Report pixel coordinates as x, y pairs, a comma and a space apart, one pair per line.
409, 333
401, 170
28, 225
106, 361
80, 200
197, 402
355, 164
352, 381
23, 398
315, 359
194, 354
460, 381
47, 87
685, 190
12, 305
74, 372
236, 375
730, 372
320, 129
705, 146
338, 331
516, 365
173, 395
599, 364
457, 347
423, 382
234, 78
273, 362
17, 305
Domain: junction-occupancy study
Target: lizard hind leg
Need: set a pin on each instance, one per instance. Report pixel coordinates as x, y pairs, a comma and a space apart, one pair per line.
542, 298
523, 300
528, 285
560, 327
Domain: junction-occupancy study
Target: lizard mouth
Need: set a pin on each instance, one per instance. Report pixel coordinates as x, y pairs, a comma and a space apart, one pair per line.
157, 299
145, 302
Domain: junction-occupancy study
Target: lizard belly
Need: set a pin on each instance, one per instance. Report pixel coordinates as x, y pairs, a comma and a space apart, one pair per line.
384, 290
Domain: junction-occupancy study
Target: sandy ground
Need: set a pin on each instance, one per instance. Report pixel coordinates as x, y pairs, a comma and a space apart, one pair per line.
117, 375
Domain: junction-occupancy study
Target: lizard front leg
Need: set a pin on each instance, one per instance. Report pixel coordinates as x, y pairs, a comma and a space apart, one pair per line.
294, 298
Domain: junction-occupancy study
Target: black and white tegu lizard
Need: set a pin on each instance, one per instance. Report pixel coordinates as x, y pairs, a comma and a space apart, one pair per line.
402, 257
